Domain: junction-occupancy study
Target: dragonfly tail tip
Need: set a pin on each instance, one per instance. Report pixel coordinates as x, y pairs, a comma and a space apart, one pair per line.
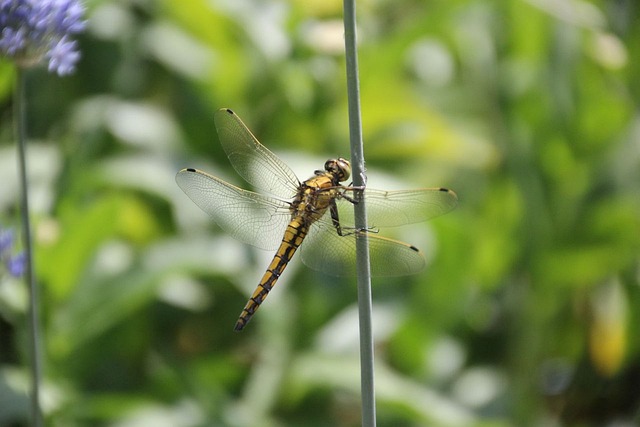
239, 326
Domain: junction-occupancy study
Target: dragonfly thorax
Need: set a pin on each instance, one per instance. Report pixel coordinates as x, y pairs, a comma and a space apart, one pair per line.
340, 168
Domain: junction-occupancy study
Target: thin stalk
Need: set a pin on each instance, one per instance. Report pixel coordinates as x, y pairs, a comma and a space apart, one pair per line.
20, 120
362, 245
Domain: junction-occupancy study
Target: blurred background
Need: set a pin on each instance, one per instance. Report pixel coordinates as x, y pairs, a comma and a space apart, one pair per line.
527, 312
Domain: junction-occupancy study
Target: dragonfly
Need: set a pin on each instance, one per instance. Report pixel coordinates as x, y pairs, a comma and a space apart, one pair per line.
318, 211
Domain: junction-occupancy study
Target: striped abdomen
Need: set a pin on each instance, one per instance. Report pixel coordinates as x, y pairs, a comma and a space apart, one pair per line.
293, 237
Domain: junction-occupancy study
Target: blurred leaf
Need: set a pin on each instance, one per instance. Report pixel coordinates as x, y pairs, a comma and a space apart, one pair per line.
80, 233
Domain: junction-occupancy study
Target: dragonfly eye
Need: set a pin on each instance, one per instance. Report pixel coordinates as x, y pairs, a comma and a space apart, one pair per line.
340, 167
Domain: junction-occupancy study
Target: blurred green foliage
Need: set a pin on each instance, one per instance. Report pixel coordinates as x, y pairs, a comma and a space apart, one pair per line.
526, 314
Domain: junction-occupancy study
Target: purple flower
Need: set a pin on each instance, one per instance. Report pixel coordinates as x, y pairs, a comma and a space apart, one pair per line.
6, 240
15, 264
12, 41
33, 30
63, 56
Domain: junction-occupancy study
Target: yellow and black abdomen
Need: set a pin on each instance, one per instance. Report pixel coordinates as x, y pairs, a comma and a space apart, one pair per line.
293, 237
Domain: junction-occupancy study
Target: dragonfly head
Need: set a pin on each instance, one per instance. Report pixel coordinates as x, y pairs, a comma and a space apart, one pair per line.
341, 168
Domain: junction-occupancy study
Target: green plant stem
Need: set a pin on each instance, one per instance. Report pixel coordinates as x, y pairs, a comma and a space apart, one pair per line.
20, 120
362, 245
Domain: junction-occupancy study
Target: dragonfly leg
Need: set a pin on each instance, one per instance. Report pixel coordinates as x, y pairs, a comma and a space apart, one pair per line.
335, 219
343, 193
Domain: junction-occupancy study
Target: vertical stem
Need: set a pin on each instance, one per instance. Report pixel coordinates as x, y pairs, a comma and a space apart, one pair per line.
20, 120
362, 245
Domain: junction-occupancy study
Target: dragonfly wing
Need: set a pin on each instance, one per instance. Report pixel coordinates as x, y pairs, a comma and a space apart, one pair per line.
252, 160
247, 216
394, 208
324, 250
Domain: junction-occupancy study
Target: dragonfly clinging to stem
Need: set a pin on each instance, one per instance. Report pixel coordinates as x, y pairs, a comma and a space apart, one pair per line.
318, 211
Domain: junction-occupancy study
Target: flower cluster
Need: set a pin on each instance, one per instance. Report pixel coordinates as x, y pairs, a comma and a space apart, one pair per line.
33, 30
14, 263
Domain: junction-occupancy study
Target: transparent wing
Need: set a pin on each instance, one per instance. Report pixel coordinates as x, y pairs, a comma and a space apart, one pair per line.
252, 160
247, 216
324, 250
394, 208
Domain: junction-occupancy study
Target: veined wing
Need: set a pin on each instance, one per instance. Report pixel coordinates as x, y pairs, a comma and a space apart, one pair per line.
252, 160
247, 216
401, 207
324, 250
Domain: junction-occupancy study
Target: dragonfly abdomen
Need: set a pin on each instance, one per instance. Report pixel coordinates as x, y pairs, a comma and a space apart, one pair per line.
293, 237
